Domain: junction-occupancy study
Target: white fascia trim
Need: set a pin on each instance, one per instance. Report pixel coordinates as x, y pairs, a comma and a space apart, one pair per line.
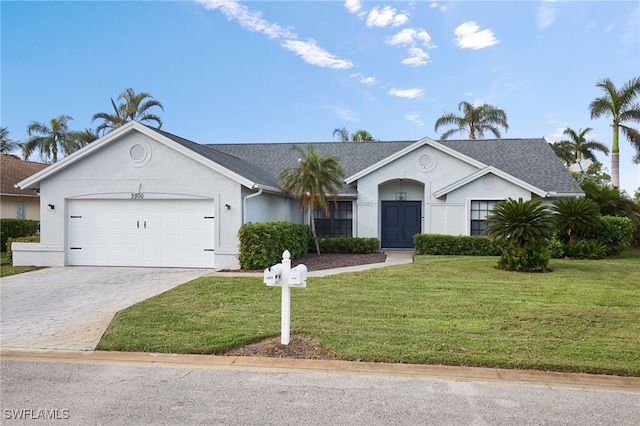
489, 169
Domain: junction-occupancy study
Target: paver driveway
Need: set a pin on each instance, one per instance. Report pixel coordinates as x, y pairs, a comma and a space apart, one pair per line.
70, 308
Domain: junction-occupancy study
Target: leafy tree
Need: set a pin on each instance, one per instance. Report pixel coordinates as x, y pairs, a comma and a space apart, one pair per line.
576, 216
579, 147
358, 136
525, 228
311, 181
622, 106
474, 121
132, 106
50, 138
7, 145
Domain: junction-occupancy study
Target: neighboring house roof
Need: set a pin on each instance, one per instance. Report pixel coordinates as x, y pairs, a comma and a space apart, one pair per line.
529, 163
13, 170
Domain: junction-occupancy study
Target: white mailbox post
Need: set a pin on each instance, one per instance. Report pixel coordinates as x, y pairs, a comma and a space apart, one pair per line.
282, 275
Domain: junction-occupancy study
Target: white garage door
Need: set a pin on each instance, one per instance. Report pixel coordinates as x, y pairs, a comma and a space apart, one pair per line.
164, 233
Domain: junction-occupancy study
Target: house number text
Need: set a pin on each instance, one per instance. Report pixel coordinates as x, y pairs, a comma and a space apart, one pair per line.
137, 196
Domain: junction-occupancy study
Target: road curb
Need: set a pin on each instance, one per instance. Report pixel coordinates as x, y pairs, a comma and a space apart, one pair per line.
288, 365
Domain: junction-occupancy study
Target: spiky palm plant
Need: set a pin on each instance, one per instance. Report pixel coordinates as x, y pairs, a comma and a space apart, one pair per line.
132, 106
524, 227
576, 216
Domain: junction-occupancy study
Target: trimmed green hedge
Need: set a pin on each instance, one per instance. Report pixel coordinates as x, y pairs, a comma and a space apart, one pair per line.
438, 244
14, 228
262, 244
349, 245
29, 239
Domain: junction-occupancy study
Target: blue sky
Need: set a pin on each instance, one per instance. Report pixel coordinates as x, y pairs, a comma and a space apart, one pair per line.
288, 71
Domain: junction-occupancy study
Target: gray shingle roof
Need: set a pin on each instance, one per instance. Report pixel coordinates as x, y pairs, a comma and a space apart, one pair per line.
530, 160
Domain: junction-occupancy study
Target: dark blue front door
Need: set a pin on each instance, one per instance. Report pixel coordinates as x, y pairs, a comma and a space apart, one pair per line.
400, 222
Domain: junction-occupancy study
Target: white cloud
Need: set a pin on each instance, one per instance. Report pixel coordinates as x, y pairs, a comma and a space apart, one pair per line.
468, 36
546, 14
315, 55
385, 17
409, 37
435, 4
342, 113
353, 6
416, 57
406, 93
369, 81
249, 20
412, 37
415, 117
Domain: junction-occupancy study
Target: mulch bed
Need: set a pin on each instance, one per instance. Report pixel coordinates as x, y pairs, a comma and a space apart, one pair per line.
313, 262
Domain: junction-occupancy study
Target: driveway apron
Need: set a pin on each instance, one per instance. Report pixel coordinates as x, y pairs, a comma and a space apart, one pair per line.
70, 308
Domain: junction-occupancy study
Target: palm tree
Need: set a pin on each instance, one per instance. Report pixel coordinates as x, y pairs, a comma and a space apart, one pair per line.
359, 136
49, 138
342, 132
86, 136
7, 145
475, 121
311, 181
621, 105
564, 152
132, 107
581, 148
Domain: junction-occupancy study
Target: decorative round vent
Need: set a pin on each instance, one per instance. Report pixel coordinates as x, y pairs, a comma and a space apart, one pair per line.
139, 152
489, 181
426, 163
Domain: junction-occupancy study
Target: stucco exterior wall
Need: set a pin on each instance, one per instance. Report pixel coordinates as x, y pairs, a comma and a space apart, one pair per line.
268, 207
111, 174
8, 209
431, 168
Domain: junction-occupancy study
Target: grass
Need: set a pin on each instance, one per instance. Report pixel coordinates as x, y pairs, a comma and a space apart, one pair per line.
582, 317
6, 268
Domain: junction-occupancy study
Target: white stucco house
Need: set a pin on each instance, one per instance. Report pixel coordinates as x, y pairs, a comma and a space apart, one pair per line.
144, 197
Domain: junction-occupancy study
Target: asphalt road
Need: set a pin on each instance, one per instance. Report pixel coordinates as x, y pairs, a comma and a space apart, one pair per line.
78, 393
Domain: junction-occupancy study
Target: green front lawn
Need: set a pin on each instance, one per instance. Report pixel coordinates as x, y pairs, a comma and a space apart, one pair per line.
582, 317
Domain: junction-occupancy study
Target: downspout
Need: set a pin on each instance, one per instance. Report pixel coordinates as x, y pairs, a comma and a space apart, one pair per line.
244, 204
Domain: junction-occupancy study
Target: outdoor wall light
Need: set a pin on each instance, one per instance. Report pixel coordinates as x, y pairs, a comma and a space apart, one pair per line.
227, 207
51, 206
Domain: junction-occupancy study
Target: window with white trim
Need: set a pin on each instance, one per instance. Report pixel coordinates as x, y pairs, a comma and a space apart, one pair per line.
337, 222
480, 209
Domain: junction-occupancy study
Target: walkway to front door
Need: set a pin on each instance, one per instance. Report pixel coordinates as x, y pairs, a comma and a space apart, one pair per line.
400, 222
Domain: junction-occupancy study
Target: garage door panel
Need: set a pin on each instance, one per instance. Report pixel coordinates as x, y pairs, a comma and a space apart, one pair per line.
171, 233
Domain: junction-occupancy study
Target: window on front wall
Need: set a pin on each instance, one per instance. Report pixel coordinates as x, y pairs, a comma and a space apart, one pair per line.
479, 212
337, 222
21, 211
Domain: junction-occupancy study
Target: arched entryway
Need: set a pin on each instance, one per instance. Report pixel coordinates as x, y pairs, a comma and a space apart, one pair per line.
401, 203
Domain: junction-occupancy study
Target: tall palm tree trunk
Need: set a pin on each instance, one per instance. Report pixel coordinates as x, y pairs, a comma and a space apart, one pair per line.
615, 158
313, 231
